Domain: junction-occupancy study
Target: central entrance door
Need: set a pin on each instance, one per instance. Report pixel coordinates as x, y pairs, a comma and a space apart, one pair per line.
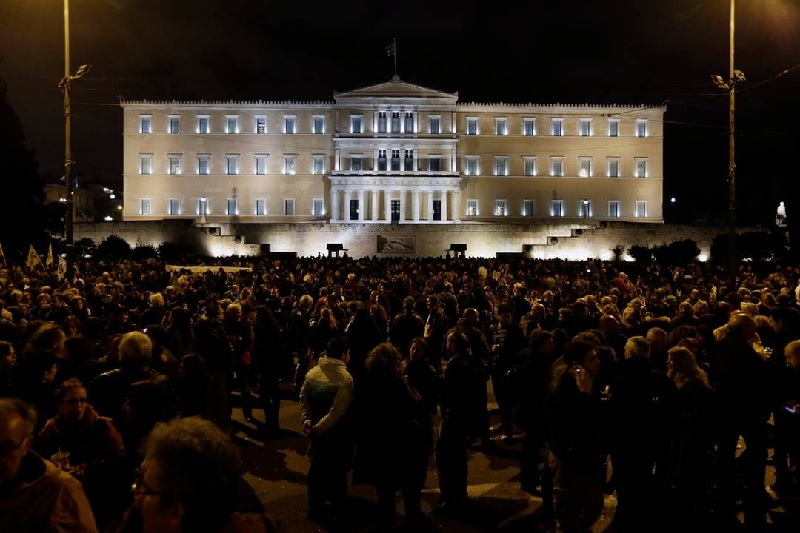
395, 211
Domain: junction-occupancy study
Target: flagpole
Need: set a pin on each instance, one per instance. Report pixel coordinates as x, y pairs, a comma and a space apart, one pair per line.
394, 51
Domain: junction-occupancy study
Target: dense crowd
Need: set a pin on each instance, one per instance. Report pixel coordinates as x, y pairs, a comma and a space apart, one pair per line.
643, 380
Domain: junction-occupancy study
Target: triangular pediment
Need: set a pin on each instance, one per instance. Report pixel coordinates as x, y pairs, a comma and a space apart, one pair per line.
395, 88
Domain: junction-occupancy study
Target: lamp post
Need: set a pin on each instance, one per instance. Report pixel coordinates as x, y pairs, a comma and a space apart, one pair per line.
64, 85
734, 77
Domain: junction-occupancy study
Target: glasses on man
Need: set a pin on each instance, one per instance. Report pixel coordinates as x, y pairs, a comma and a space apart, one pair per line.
140, 488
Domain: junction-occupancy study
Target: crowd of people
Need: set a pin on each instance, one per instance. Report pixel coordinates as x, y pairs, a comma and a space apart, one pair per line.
665, 386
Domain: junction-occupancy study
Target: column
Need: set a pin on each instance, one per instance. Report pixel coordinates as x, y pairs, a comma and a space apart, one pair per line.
403, 195
334, 204
456, 206
430, 205
374, 214
444, 205
387, 199
347, 206
415, 207
361, 206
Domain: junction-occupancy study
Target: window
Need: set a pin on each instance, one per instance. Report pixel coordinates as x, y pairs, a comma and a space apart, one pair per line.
408, 161
586, 127
356, 124
613, 208
174, 206
472, 208
585, 208
434, 162
556, 208
354, 205
290, 164
356, 161
527, 208
382, 122
317, 207
261, 163
202, 207
557, 127
641, 168
318, 164
232, 124
500, 208
472, 168
145, 206
203, 124
557, 167
174, 124
529, 166
585, 167
145, 123
261, 125
395, 160
261, 207
472, 125
500, 126
318, 124
232, 206
408, 127
204, 164
395, 122
231, 164
529, 126
500, 165
288, 206
613, 167
174, 164
641, 127
613, 127
435, 124
382, 164
289, 124
641, 209
145, 164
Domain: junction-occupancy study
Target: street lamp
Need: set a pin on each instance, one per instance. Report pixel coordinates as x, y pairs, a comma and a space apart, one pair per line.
734, 77
64, 85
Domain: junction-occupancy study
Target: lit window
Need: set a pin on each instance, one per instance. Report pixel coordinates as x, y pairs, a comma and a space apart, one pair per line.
434, 163
174, 206
585, 208
318, 164
500, 165
641, 209
585, 169
472, 208
145, 206
231, 164
435, 124
613, 208
145, 124
529, 126
317, 207
261, 125
500, 208
613, 167
408, 127
527, 208
586, 127
500, 126
289, 123
318, 124
174, 124
203, 124
261, 163
232, 206
395, 122
613, 127
382, 122
288, 206
529, 164
174, 164
472, 168
472, 125
145, 164
261, 207
408, 161
356, 162
641, 168
356, 124
556, 208
204, 164
382, 163
203, 207
557, 167
232, 124
641, 127
395, 160
290, 164
557, 127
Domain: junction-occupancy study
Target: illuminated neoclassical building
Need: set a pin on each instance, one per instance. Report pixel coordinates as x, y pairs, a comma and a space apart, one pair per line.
392, 153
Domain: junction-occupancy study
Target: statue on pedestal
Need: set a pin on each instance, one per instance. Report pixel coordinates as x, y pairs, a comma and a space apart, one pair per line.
780, 215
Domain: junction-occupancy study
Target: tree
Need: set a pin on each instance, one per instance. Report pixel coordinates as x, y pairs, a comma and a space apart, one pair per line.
113, 247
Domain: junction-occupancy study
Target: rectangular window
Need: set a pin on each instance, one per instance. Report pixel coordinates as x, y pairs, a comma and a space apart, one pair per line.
288, 206
318, 124
382, 163
472, 168
261, 125
613, 208
613, 167
527, 208
174, 206
174, 124
641, 168
529, 164
408, 161
317, 207
145, 206
557, 167
586, 127
557, 127
203, 124
472, 125
261, 163
613, 127
145, 164
354, 209
435, 125
395, 160
356, 162
408, 127
318, 164
231, 164
500, 208
641, 209
641, 127
585, 168
145, 123
290, 164
472, 208
434, 163
382, 122
289, 124
529, 126
395, 122
204, 164
203, 207
232, 207
232, 124
500, 165
585, 208
356, 124
261, 207
174, 164
500, 126
556, 208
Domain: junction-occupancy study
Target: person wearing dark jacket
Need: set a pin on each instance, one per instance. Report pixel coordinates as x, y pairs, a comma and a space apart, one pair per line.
507, 341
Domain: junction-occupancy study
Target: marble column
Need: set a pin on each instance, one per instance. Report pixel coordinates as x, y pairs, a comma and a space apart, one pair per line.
387, 198
415, 206
334, 204
347, 206
361, 206
374, 214
444, 205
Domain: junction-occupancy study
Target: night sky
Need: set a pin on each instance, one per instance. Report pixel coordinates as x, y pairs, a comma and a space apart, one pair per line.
566, 51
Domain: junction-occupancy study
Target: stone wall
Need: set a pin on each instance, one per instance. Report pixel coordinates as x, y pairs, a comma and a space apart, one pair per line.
568, 241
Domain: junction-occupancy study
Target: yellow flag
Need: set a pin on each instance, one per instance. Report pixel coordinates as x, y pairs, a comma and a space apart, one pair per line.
3, 255
33, 259
49, 260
